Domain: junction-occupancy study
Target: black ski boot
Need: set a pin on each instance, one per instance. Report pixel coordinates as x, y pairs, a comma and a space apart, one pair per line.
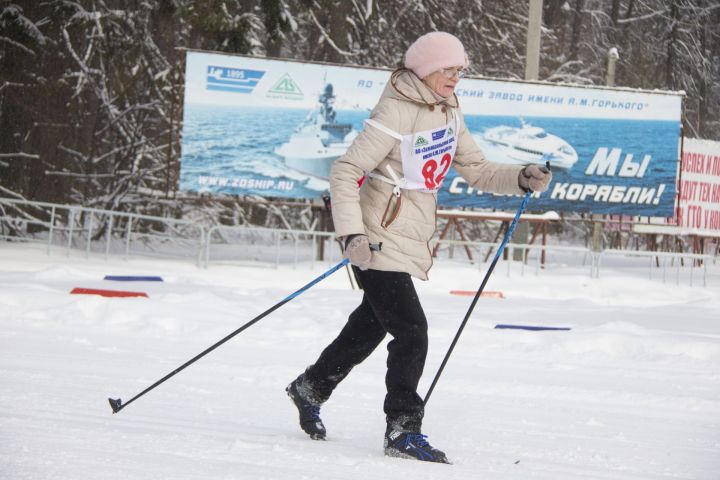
412, 445
309, 410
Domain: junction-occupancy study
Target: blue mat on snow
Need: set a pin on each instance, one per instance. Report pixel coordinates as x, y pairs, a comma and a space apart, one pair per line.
132, 278
534, 328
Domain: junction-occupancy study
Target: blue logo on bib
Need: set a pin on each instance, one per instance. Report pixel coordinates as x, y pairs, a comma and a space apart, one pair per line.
438, 135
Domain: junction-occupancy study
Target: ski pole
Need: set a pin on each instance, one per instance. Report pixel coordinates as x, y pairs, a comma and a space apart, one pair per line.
328, 208
117, 403
500, 249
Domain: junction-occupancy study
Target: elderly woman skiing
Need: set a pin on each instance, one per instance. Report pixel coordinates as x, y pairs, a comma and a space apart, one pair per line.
414, 134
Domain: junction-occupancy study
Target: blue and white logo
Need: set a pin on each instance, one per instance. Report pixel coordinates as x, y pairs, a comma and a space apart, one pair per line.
438, 135
240, 80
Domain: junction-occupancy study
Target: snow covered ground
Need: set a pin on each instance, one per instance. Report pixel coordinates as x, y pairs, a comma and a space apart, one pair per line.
631, 392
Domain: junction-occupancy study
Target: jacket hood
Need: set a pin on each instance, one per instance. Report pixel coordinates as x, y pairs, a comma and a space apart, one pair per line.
405, 85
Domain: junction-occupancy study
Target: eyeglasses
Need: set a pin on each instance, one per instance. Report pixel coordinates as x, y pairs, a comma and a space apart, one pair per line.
452, 72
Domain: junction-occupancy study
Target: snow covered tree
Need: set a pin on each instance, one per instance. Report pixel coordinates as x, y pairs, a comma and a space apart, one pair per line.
93, 111
663, 44
90, 90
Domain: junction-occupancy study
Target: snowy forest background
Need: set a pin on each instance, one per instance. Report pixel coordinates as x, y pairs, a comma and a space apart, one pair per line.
90, 91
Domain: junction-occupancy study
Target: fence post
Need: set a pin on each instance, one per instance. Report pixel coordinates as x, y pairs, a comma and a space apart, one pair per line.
314, 250
277, 250
692, 269
127, 238
208, 242
650, 269
201, 247
510, 257
89, 236
295, 252
71, 221
108, 235
595, 258
52, 227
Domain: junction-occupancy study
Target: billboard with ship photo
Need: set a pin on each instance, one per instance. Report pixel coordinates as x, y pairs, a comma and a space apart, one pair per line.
256, 126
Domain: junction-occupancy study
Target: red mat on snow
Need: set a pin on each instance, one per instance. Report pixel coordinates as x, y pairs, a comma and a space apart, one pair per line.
107, 293
470, 293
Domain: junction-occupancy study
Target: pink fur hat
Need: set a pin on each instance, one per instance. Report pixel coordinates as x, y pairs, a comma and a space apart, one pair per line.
433, 51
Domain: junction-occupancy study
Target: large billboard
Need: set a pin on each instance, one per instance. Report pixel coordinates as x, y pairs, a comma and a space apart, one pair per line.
255, 126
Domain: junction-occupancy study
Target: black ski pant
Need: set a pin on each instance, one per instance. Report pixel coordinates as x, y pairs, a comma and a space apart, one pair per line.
390, 305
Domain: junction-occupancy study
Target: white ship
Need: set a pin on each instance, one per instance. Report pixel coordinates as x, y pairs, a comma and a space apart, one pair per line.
318, 141
526, 145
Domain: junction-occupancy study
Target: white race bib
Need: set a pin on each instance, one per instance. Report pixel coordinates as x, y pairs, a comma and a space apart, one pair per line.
427, 156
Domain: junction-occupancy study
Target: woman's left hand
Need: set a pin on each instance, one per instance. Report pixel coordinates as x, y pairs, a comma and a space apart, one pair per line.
534, 179
357, 249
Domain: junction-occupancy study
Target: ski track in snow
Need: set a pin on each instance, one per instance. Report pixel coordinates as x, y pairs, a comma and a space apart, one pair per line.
632, 392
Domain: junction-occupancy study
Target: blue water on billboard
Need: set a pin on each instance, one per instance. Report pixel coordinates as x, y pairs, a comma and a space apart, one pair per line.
659, 139
233, 150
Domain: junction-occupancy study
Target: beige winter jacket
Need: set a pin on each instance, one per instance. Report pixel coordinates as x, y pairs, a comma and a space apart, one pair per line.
404, 224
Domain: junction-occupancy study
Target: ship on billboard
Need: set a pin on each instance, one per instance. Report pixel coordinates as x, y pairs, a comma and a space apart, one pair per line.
526, 145
319, 140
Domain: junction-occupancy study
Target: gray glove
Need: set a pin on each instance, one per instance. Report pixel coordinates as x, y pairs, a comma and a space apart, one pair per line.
534, 179
357, 249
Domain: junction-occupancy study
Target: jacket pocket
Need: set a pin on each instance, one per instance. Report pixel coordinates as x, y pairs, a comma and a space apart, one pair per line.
392, 211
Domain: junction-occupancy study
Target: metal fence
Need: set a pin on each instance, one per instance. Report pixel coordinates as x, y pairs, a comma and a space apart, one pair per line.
678, 262
70, 228
73, 227
268, 245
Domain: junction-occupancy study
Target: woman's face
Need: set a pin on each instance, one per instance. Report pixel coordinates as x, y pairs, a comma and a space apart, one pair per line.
443, 81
